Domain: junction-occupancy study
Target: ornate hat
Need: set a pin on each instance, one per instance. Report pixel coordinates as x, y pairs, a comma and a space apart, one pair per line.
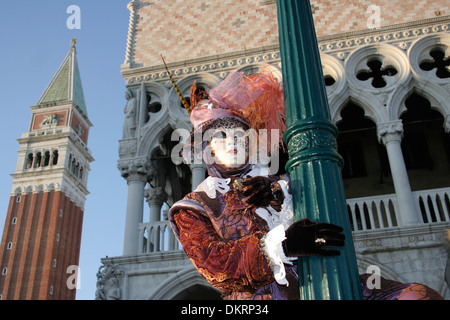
256, 100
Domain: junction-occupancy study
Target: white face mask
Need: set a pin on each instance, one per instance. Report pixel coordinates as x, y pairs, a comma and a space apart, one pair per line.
230, 147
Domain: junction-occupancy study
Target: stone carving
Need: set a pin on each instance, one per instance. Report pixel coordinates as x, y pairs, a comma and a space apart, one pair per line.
155, 195
108, 282
129, 125
137, 168
389, 131
79, 130
50, 120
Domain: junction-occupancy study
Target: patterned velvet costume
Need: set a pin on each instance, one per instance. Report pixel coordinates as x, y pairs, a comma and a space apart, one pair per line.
222, 237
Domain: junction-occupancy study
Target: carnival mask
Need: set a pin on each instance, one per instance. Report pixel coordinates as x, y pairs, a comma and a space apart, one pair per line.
229, 147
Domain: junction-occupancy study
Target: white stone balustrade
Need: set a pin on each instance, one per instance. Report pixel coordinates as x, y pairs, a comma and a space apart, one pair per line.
157, 237
434, 204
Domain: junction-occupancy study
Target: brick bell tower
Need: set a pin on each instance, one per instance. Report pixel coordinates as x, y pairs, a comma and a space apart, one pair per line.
40, 246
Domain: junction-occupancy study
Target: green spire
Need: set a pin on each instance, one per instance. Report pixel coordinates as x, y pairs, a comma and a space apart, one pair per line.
66, 83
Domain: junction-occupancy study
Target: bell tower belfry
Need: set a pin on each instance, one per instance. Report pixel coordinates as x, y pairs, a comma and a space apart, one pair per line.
41, 239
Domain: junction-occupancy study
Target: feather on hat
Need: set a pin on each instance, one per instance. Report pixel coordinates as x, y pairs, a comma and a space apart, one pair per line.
256, 99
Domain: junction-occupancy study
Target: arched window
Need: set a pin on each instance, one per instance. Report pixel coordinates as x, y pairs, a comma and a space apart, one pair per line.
77, 169
419, 124
73, 166
30, 159
37, 163
55, 157
46, 158
366, 166
350, 144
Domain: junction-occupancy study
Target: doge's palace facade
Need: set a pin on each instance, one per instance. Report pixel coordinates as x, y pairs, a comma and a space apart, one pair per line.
386, 71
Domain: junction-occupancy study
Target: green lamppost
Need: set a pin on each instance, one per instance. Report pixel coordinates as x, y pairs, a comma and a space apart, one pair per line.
314, 164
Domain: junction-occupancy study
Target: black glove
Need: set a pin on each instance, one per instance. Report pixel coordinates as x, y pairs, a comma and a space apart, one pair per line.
262, 191
308, 238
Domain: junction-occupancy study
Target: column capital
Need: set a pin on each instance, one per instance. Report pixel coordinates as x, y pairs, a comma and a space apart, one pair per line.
135, 170
155, 195
390, 131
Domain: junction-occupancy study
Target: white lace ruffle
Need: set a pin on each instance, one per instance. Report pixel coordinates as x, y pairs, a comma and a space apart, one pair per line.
274, 250
278, 223
212, 184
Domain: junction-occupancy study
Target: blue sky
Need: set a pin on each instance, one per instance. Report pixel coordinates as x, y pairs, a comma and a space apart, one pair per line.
34, 41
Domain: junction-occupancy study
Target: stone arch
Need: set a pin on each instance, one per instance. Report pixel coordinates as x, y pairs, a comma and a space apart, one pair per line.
182, 282
52, 186
425, 144
19, 191
437, 96
371, 106
360, 106
154, 135
173, 176
358, 146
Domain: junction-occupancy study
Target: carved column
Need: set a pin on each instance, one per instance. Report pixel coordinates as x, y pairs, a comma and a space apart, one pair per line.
198, 174
391, 134
136, 174
155, 198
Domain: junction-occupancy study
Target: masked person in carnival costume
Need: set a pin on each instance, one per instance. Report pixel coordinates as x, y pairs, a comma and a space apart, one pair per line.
237, 227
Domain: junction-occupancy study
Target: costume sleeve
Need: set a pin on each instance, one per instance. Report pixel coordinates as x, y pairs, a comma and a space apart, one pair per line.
278, 222
235, 265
